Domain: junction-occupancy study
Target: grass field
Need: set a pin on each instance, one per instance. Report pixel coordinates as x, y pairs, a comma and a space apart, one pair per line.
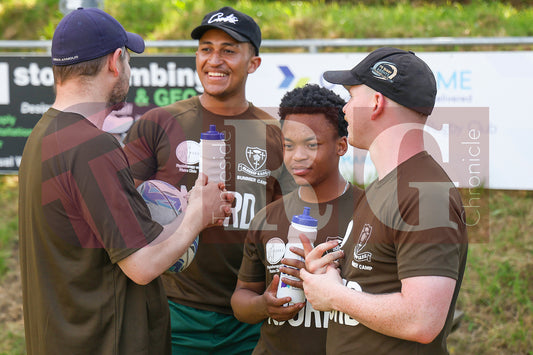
496, 295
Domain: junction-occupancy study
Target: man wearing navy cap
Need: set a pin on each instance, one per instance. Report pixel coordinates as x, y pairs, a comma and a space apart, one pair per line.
396, 288
165, 143
90, 253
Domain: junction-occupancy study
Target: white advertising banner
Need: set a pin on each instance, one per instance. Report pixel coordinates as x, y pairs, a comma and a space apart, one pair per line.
482, 100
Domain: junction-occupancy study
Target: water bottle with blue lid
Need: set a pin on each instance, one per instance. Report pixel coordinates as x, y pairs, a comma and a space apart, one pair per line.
300, 224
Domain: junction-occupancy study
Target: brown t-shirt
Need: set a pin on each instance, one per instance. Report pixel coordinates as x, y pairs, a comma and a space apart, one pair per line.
79, 214
164, 145
409, 224
263, 250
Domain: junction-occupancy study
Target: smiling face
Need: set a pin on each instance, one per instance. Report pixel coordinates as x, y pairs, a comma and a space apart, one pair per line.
223, 64
312, 148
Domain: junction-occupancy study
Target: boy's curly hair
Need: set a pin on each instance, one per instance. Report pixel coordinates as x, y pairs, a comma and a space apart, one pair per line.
312, 99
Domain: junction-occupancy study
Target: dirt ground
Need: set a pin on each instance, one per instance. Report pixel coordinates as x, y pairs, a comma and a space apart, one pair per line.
11, 318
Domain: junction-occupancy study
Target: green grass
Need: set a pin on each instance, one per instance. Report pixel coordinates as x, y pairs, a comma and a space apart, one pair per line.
9, 225
11, 326
496, 294
12, 341
172, 20
497, 290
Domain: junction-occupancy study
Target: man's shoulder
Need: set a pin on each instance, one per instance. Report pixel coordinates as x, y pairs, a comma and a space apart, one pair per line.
263, 115
277, 207
174, 110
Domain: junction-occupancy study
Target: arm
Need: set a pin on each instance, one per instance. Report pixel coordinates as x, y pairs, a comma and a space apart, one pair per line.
208, 205
417, 313
251, 303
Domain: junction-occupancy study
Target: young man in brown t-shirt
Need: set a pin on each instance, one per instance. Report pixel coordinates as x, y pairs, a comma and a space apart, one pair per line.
314, 134
90, 253
396, 288
164, 144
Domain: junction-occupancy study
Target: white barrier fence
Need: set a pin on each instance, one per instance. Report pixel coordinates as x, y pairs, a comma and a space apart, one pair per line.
493, 88
498, 84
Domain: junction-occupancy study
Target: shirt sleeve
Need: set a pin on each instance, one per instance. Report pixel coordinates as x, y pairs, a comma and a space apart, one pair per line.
141, 145
252, 268
110, 204
436, 251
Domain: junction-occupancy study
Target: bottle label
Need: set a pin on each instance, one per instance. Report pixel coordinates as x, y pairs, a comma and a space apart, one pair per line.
296, 294
212, 162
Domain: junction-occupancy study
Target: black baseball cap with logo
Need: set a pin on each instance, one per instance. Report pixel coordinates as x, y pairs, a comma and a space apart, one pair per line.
239, 26
397, 74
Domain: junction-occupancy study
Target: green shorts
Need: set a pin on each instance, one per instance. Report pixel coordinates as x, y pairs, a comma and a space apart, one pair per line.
195, 331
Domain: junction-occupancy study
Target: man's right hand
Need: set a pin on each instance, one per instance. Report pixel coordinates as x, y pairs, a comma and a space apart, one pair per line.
209, 203
316, 259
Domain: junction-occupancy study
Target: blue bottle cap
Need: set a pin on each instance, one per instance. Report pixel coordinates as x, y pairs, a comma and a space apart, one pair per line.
305, 219
212, 134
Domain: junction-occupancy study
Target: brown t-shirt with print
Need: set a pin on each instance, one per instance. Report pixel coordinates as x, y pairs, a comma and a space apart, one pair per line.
409, 224
164, 145
263, 250
79, 214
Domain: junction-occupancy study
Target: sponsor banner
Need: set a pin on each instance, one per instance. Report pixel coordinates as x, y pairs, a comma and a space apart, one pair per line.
474, 92
472, 112
26, 92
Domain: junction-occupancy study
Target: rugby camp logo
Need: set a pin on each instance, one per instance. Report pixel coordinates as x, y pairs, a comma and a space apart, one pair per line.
358, 254
256, 158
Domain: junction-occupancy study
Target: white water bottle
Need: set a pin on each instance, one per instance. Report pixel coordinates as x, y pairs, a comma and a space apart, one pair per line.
307, 225
212, 153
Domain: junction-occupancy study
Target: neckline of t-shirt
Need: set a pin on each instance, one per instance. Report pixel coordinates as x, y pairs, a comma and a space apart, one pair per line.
244, 114
394, 172
347, 188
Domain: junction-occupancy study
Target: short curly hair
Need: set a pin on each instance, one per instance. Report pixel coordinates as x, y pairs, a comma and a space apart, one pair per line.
312, 99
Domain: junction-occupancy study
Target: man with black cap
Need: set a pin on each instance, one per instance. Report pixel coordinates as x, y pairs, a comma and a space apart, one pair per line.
164, 144
396, 288
90, 253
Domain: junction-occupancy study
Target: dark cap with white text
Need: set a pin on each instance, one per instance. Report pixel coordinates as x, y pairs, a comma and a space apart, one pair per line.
239, 26
86, 34
397, 74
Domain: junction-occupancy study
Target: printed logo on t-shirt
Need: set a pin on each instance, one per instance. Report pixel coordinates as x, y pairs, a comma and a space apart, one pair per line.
275, 249
360, 256
188, 154
254, 167
308, 317
331, 239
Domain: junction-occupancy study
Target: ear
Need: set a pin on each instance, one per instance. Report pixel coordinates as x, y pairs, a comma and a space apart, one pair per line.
254, 63
378, 102
342, 146
113, 62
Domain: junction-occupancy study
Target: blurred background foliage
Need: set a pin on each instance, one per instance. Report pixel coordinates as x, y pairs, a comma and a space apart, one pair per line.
174, 19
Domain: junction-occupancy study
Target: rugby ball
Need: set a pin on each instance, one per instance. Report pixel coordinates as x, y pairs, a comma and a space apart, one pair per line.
166, 203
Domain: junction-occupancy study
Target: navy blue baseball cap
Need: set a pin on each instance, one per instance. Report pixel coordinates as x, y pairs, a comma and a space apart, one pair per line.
86, 34
397, 74
238, 25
